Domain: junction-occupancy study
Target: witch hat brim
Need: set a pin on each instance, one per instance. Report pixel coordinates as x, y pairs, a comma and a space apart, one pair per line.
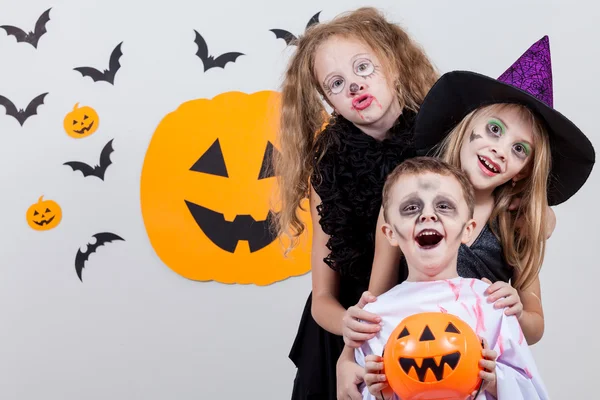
458, 93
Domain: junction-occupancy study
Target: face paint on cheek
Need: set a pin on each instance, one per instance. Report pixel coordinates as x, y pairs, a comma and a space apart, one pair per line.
474, 136
399, 232
460, 233
378, 103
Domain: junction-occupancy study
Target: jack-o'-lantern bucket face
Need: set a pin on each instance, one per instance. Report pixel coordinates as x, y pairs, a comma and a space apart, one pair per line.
433, 356
207, 189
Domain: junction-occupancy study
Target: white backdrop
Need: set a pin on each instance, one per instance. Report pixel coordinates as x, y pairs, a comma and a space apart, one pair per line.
134, 329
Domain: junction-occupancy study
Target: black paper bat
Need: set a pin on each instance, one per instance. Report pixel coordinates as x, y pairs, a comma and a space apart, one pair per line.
97, 171
101, 239
22, 115
32, 37
290, 38
109, 74
209, 61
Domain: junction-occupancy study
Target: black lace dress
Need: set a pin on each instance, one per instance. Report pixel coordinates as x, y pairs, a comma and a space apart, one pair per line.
349, 178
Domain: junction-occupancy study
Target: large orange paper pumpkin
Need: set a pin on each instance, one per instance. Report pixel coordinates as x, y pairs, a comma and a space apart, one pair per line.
207, 189
433, 356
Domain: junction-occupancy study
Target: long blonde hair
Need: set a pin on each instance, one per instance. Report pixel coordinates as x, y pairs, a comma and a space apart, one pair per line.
523, 247
303, 112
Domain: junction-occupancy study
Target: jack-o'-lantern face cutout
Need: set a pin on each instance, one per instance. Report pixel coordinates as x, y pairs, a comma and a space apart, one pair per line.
81, 122
433, 356
206, 190
44, 215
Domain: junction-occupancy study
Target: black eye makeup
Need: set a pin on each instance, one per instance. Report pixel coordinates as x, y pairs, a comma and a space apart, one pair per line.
411, 206
445, 206
522, 150
495, 127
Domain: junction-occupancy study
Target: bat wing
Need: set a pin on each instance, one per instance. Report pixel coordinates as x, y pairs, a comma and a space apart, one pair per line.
40, 27
114, 65
106, 237
92, 73
101, 239
285, 35
202, 52
85, 169
105, 159
18, 33
34, 104
314, 20
80, 259
11, 109
225, 58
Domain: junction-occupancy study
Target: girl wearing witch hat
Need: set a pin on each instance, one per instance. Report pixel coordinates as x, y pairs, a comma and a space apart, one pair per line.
512, 144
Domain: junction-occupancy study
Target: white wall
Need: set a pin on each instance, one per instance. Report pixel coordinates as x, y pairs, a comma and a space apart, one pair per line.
133, 329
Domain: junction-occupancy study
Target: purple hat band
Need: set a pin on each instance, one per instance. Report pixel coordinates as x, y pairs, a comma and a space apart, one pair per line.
532, 72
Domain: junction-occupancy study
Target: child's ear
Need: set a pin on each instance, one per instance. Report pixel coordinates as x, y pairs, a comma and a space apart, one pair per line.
389, 234
468, 231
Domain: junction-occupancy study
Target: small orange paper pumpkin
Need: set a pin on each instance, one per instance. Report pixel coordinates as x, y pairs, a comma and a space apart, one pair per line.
81, 122
433, 356
44, 215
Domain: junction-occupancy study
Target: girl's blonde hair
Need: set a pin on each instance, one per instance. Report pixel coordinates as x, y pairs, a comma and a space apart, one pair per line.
303, 113
523, 246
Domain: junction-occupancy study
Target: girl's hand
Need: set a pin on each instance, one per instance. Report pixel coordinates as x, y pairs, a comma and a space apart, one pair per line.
489, 373
375, 378
354, 331
348, 376
504, 295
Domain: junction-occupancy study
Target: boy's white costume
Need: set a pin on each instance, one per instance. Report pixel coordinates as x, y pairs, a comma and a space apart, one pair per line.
516, 371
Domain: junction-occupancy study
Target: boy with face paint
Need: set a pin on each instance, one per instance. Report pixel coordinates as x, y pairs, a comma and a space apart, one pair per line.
428, 210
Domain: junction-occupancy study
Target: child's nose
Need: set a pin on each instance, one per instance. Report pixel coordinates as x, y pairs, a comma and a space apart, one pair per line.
428, 216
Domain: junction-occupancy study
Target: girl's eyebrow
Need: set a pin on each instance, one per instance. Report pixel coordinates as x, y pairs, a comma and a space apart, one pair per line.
359, 55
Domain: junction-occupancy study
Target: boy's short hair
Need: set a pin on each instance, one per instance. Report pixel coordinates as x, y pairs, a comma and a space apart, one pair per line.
420, 165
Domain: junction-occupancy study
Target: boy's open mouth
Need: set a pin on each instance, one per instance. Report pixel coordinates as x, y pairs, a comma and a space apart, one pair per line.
428, 238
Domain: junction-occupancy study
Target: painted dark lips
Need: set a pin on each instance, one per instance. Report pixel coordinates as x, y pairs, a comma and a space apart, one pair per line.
363, 101
430, 363
85, 128
226, 234
44, 222
489, 165
428, 238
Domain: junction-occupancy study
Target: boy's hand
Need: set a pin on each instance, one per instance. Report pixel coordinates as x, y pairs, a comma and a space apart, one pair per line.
489, 370
355, 332
375, 378
508, 295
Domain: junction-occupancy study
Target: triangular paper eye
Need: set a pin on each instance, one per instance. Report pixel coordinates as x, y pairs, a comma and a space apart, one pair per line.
451, 328
266, 168
211, 162
426, 335
403, 333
